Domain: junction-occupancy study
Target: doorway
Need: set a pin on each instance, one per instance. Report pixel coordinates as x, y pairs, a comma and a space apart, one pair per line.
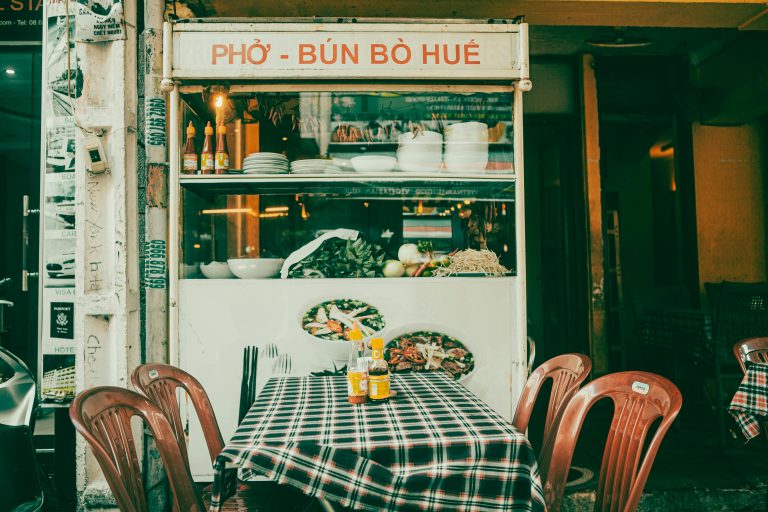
647, 198
20, 86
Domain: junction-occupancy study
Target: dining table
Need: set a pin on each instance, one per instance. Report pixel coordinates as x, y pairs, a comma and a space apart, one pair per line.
749, 406
433, 446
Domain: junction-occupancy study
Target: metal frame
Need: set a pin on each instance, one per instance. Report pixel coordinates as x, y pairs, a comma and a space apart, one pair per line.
516, 86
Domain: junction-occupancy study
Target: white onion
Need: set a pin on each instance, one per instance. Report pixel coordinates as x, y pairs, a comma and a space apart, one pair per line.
409, 254
393, 268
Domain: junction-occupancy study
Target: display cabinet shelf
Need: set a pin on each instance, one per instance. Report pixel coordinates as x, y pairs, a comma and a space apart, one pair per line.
386, 185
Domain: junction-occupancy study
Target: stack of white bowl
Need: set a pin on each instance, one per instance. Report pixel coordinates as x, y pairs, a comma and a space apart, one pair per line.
420, 151
466, 147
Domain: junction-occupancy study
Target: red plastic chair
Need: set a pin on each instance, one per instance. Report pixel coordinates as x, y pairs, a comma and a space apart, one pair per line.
567, 372
639, 399
103, 417
754, 350
160, 383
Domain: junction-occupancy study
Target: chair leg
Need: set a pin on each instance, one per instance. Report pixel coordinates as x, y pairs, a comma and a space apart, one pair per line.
719, 402
325, 505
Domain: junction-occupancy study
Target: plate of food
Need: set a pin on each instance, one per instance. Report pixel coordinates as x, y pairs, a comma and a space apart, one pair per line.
333, 320
424, 350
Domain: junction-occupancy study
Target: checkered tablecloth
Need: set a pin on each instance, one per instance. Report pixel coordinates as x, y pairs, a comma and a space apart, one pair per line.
691, 330
435, 446
749, 406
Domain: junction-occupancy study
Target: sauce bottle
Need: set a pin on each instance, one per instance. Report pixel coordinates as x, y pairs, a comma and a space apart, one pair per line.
357, 370
190, 154
378, 373
222, 153
206, 158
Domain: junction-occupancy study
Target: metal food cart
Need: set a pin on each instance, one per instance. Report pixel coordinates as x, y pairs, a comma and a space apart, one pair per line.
348, 141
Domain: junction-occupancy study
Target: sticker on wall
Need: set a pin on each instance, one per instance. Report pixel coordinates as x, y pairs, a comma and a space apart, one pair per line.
100, 20
62, 320
58, 382
60, 145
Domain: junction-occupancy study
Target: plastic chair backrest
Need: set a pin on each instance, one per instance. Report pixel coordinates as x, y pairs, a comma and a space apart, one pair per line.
159, 383
754, 350
639, 399
742, 313
103, 416
567, 372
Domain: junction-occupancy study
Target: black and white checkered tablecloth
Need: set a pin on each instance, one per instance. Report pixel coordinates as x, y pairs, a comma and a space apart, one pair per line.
749, 406
435, 446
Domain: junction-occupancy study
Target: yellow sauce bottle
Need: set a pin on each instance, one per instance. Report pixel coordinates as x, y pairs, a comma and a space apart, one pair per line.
378, 373
190, 153
222, 153
206, 158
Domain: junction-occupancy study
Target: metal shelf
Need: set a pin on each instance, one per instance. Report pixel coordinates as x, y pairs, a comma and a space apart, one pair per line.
385, 185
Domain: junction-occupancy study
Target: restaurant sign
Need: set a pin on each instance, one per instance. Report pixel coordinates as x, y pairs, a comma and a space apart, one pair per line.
21, 20
413, 52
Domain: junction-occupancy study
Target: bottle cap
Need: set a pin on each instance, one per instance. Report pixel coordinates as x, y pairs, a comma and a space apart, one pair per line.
377, 343
190, 130
222, 129
355, 334
209, 129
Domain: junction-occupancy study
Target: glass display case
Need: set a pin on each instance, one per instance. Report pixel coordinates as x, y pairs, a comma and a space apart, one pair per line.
445, 179
384, 197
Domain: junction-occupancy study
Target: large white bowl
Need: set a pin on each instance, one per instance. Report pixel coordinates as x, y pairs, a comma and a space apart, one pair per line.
469, 126
424, 137
255, 268
374, 163
466, 167
391, 334
216, 270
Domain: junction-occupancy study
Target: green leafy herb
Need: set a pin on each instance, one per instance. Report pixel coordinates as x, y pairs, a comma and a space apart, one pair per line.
341, 258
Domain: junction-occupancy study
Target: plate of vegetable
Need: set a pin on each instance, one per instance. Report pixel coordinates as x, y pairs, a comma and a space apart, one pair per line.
333, 320
428, 350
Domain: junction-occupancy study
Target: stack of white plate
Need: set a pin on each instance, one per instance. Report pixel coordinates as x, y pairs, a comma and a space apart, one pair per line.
313, 166
466, 147
265, 163
420, 151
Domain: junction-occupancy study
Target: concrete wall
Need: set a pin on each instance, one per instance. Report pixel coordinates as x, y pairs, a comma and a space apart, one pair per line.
730, 178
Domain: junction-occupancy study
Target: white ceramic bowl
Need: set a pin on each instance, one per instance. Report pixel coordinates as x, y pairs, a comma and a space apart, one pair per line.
466, 167
467, 157
424, 137
216, 270
406, 166
469, 126
255, 268
419, 156
374, 163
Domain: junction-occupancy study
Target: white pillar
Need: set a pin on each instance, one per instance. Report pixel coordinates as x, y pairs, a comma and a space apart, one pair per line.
106, 273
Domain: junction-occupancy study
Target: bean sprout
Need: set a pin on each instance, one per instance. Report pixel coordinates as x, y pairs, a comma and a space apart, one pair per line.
470, 260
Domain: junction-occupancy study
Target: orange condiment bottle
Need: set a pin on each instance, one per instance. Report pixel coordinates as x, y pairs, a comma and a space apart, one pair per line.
190, 153
206, 158
222, 153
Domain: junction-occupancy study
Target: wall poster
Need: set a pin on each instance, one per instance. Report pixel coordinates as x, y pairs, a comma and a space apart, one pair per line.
63, 86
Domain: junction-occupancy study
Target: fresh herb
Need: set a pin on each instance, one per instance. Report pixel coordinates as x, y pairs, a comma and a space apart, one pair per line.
341, 258
331, 373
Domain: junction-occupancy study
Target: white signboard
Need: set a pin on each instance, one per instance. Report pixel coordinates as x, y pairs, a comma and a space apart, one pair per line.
329, 51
